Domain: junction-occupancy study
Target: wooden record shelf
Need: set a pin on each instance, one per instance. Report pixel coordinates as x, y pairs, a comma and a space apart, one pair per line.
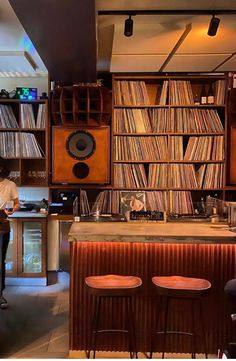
81, 105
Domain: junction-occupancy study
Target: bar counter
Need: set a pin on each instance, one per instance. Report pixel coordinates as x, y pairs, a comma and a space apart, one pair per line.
202, 250
148, 232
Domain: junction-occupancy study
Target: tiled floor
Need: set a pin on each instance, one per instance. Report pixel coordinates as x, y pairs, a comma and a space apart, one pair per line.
36, 324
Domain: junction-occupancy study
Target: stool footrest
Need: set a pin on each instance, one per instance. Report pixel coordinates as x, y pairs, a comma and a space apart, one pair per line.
112, 330
175, 333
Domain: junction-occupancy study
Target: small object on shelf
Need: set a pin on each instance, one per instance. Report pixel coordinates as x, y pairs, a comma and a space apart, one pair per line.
196, 98
4, 94
203, 96
215, 218
44, 95
210, 96
25, 93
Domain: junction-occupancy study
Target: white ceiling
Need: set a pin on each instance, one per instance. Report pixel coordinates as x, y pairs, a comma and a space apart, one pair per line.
168, 43
155, 38
18, 56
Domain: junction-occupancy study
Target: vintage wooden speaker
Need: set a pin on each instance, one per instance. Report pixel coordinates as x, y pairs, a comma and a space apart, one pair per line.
81, 155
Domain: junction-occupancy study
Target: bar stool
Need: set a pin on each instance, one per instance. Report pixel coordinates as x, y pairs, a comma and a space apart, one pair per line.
113, 286
186, 288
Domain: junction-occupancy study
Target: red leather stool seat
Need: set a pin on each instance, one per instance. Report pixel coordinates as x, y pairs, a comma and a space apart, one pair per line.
182, 286
112, 283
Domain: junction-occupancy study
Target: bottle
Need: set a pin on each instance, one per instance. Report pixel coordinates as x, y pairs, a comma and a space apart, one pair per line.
210, 96
203, 96
196, 97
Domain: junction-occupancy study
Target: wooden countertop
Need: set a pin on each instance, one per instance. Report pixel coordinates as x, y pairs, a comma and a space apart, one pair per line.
23, 214
146, 232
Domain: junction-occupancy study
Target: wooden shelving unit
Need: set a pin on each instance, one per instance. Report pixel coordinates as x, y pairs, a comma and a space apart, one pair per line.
81, 105
24, 140
162, 107
161, 134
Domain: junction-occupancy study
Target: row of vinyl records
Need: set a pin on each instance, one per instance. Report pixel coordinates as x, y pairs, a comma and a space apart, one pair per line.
170, 175
27, 117
109, 201
163, 120
16, 145
164, 148
177, 92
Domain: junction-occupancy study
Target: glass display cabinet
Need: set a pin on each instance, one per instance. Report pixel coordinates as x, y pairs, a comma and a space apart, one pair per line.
26, 255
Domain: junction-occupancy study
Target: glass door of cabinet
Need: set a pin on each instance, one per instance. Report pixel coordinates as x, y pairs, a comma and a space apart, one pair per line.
33, 246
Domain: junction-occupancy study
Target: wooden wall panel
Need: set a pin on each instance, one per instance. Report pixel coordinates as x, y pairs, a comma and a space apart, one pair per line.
213, 262
233, 155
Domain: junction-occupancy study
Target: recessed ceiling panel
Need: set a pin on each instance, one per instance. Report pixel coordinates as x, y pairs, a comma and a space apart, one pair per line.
229, 65
195, 62
16, 63
199, 42
14, 38
136, 63
147, 38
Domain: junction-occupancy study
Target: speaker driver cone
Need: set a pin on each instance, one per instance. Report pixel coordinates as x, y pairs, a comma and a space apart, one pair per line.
80, 145
80, 170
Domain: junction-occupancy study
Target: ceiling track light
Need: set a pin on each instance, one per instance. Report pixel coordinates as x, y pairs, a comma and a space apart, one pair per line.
128, 30
213, 26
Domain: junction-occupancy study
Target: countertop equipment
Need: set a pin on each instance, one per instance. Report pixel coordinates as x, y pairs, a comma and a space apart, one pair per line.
103, 218
176, 217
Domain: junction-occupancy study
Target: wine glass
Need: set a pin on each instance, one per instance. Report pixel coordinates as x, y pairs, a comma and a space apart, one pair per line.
9, 206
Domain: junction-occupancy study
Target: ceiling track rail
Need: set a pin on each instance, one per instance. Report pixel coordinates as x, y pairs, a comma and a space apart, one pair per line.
133, 12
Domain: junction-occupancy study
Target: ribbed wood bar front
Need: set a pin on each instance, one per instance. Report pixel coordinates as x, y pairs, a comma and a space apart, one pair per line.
187, 249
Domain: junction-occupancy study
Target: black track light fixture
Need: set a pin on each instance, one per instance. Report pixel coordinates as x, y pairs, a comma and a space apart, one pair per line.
213, 26
128, 30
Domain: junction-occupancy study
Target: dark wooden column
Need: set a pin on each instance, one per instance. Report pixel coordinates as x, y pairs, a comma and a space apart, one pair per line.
64, 34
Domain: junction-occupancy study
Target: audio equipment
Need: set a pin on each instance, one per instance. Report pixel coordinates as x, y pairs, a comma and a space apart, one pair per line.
81, 155
147, 216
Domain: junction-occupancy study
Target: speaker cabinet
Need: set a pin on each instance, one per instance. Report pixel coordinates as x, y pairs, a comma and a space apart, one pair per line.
81, 155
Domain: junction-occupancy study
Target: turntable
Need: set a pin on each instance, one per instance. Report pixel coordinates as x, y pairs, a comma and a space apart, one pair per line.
187, 217
102, 218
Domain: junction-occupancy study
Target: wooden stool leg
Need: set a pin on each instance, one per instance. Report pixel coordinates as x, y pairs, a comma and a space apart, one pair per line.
128, 325
159, 306
203, 327
193, 304
165, 324
91, 339
132, 328
95, 325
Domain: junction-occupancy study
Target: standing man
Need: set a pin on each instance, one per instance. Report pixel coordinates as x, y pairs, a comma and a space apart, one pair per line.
9, 203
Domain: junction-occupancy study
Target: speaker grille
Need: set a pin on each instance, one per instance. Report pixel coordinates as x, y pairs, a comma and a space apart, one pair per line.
81, 170
80, 145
